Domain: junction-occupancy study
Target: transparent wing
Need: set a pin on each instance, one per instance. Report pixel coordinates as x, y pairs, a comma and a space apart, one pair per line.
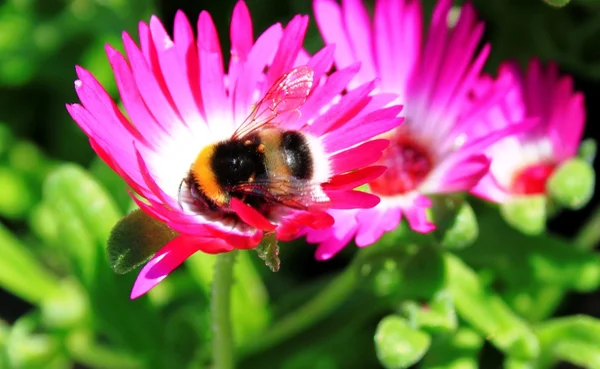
289, 191
286, 95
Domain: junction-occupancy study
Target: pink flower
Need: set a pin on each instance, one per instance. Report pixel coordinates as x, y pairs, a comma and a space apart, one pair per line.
179, 100
522, 164
432, 75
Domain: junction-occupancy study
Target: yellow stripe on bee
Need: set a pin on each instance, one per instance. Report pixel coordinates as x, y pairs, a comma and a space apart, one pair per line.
205, 177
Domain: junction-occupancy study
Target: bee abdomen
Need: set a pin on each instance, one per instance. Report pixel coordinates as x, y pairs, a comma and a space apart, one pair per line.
297, 154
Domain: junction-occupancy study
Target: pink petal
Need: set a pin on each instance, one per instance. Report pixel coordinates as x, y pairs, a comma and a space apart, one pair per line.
170, 257
465, 174
358, 156
358, 28
489, 189
325, 93
185, 43
135, 106
370, 226
149, 54
212, 77
173, 69
291, 226
336, 238
348, 107
261, 55
251, 216
329, 20
352, 200
354, 179
242, 39
148, 86
396, 25
568, 136
417, 219
110, 135
391, 219
321, 63
289, 47
363, 128
151, 182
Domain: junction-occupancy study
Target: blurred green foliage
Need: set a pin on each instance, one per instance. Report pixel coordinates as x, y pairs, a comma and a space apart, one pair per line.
433, 300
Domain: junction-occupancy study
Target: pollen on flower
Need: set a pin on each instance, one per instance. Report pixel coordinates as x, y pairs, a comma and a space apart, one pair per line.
532, 179
408, 163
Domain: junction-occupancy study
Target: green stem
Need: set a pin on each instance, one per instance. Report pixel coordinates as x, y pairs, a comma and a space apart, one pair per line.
589, 235
328, 299
220, 308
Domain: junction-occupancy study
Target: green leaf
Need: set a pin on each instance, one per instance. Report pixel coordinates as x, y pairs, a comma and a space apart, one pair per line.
557, 3
424, 274
268, 250
401, 271
457, 351
487, 312
464, 230
512, 363
523, 260
135, 239
21, 273
397, 344
66, 308
28, 349
456, 224
575, 339
16, 197
572, 183
526, 213
85, 215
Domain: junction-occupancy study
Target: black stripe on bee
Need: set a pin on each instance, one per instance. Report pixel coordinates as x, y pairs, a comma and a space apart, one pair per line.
236, 162
297, 154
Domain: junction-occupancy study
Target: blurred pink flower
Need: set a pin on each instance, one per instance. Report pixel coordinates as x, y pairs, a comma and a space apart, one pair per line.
178, 99
521, 164
432, 75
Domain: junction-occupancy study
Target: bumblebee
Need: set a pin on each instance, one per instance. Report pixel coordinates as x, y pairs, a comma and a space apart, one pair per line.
263, 165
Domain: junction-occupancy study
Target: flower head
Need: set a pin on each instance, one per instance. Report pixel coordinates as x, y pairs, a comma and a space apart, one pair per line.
432, 75
181, 103
522, 164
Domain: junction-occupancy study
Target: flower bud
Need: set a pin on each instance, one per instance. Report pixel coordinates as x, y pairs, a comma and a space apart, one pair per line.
526, 213
398, 345
572, 184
